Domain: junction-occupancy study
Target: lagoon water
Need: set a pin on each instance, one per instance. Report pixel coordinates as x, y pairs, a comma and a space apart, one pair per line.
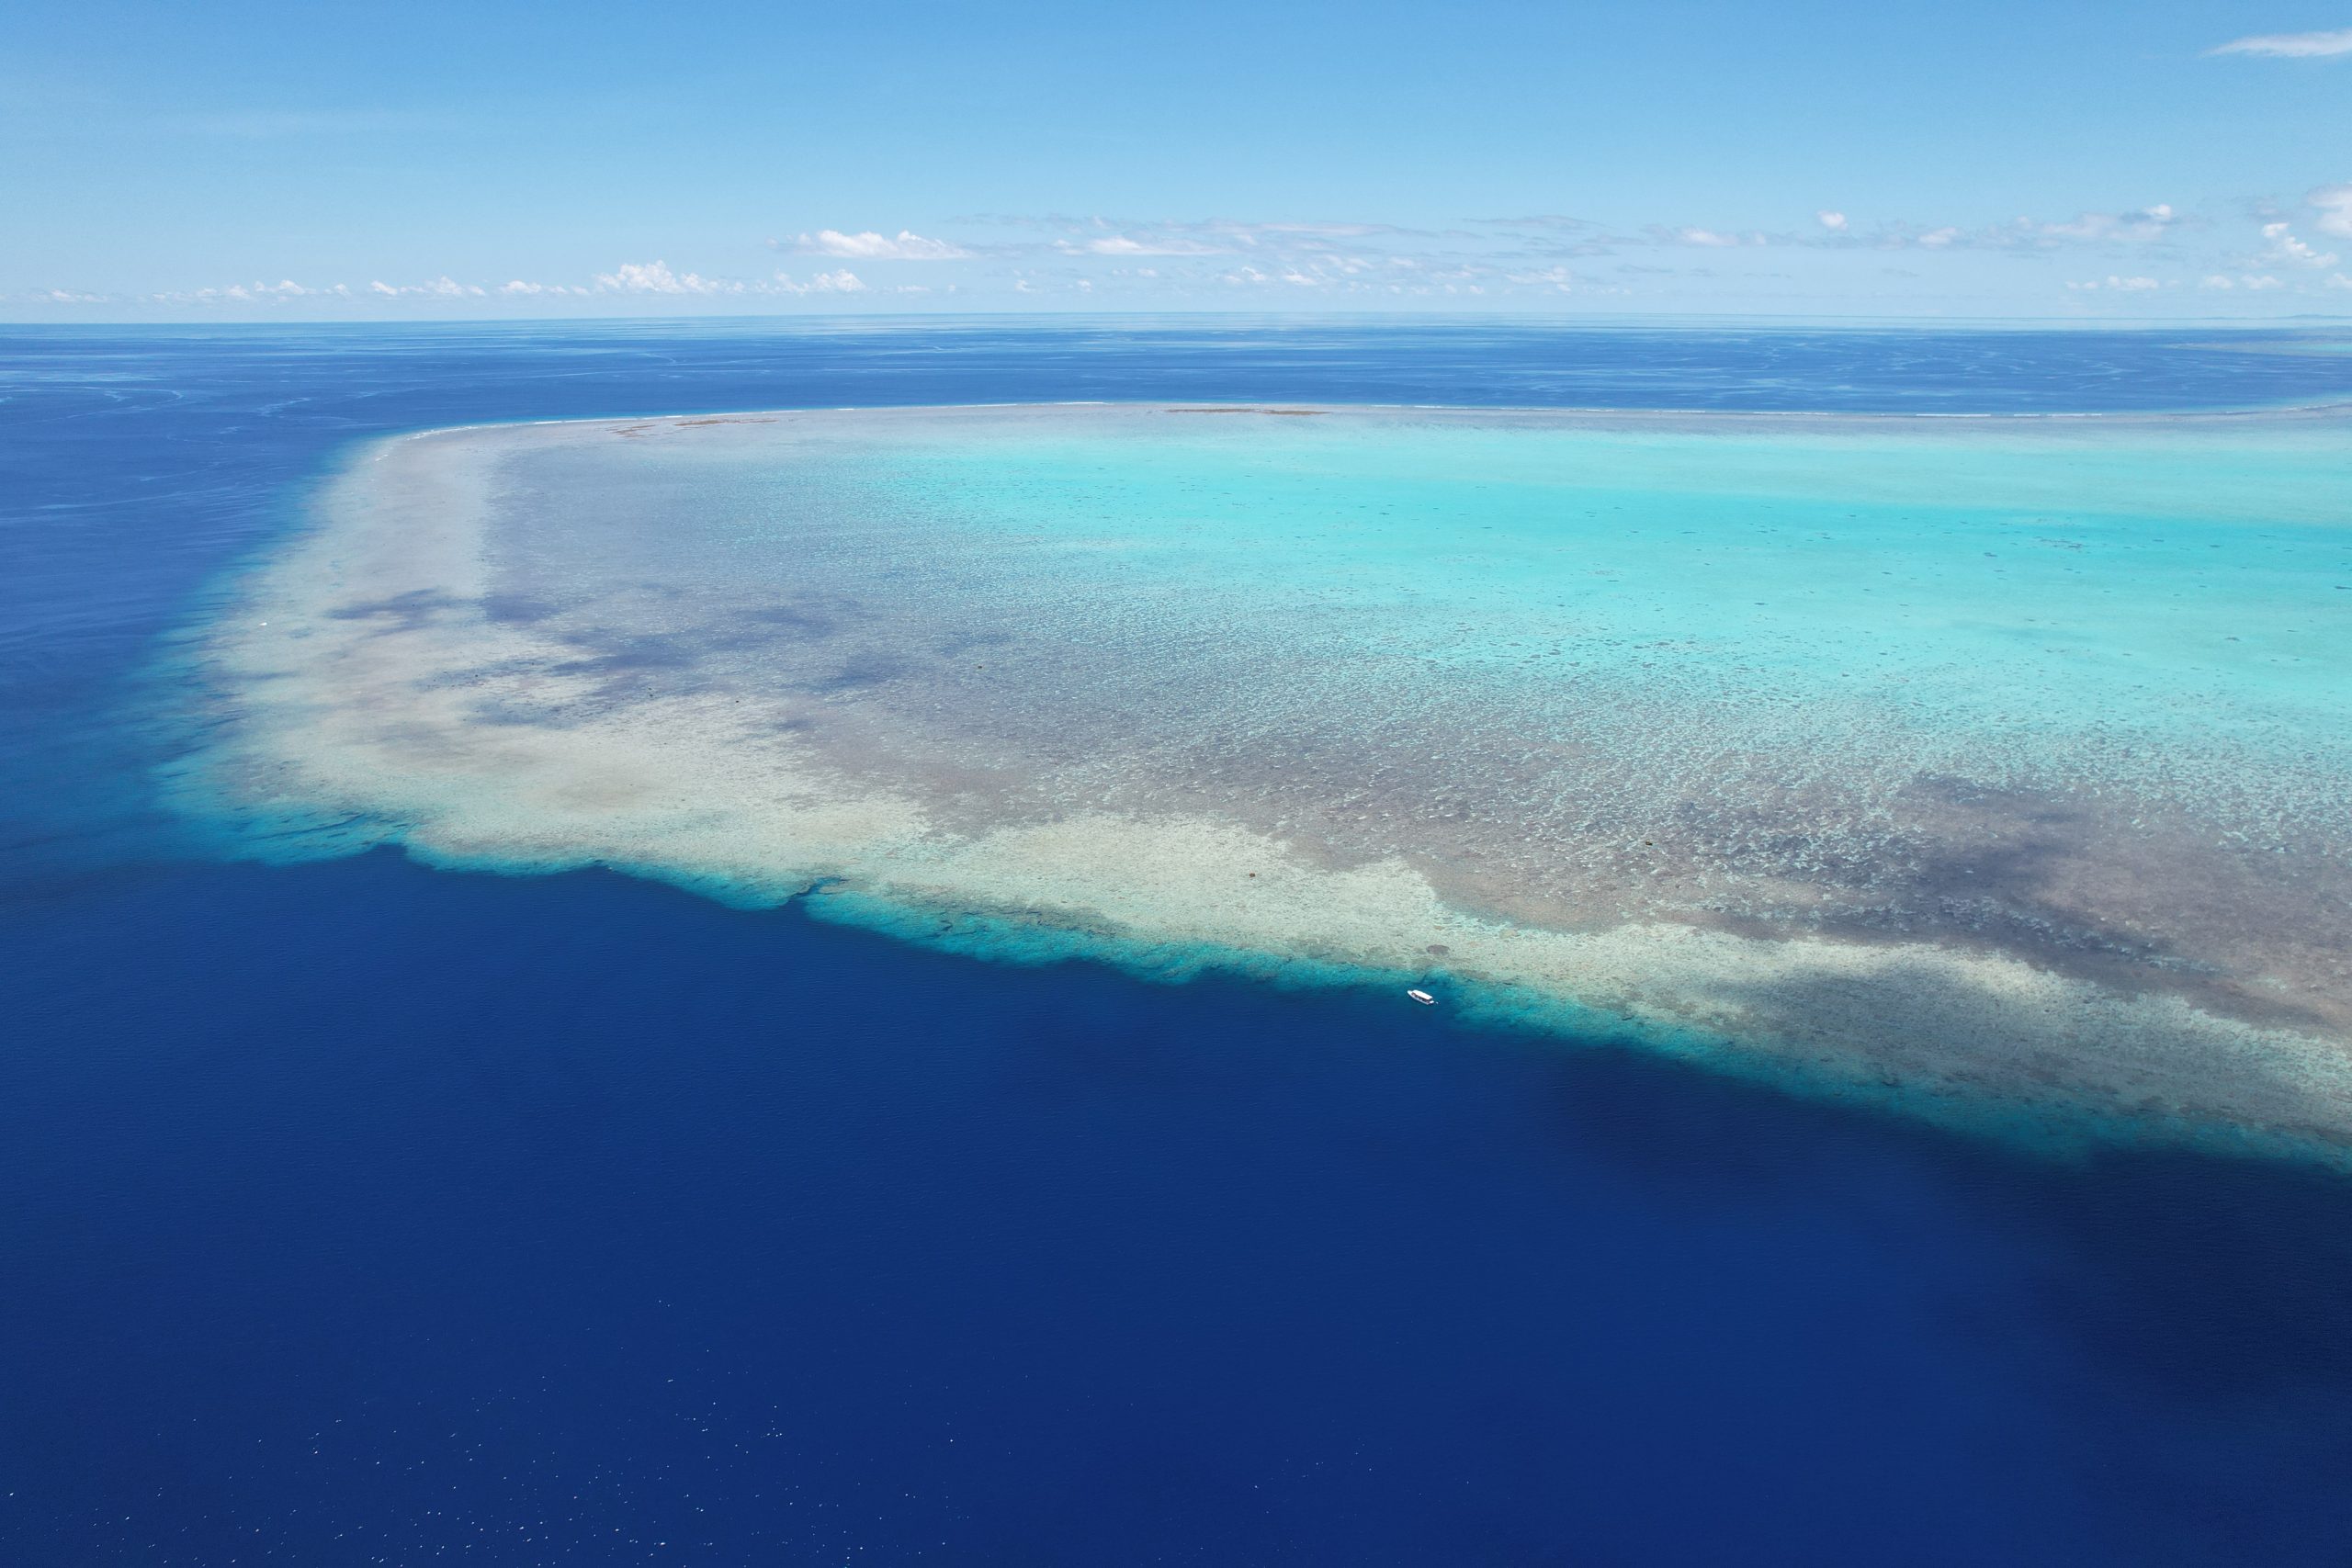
367, 1211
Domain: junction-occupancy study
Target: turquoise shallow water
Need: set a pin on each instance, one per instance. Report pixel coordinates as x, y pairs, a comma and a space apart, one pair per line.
2178, 578
2180, 583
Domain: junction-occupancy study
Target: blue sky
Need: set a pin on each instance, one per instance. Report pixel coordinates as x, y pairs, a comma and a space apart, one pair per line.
235, 160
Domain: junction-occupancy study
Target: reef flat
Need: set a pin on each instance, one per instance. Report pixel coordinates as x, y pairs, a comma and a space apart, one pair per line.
1990, 765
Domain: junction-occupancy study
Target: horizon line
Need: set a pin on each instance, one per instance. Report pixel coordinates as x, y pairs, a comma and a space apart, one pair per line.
1556, 318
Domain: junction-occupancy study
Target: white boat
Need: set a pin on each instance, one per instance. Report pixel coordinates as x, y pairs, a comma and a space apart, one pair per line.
1424, 997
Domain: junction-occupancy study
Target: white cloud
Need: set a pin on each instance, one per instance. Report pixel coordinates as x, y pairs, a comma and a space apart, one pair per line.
2260, 281
1276, 244
841, 282
2120, 285
1555, 277
442, 287
1711, 238
249, 294
2290, 46
2339, 280
2334, 203
2285, 247
2147, 224
907, 245
2142, 225
1151, 245
655, 277
1836, 230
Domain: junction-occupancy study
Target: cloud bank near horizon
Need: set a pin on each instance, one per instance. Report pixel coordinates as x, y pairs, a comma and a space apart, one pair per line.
999, 261
870, 245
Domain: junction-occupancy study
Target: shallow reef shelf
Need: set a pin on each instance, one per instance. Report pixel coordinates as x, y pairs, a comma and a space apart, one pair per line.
1974, 764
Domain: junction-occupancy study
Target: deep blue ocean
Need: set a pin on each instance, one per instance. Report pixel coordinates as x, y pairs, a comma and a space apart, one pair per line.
357, 1213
